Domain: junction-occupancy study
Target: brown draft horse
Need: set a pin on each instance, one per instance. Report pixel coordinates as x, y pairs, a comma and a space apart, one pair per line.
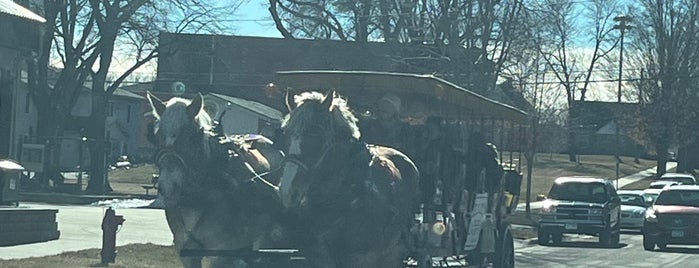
212, 198
352, 204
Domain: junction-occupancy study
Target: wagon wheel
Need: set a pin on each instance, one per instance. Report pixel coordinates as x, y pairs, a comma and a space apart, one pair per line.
505, 251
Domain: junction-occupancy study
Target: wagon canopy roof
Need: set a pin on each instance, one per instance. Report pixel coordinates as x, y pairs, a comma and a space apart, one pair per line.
421, 95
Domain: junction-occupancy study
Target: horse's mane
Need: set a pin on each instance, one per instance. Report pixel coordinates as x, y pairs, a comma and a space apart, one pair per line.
345, 121
202, 119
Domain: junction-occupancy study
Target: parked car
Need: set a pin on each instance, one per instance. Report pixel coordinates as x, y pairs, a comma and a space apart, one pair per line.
633, 207
662, 184
652, 194
682, 178
672, 218
581, 205
654, 190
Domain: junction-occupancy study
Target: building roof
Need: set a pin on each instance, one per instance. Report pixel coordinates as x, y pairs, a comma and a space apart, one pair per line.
597, 115
242, 66
425, 95
11, 8
253, 106
126, 94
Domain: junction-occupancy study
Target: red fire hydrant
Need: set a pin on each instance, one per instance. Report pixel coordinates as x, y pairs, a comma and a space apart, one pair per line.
110, 224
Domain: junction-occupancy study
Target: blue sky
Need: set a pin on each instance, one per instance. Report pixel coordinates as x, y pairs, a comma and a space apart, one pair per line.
253, 19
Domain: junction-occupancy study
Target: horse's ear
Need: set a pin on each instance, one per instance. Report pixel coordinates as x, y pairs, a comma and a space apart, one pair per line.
289, 99
155, 103
195, 107
328, 101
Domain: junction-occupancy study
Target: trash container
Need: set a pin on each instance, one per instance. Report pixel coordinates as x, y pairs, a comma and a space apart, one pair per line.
10, 172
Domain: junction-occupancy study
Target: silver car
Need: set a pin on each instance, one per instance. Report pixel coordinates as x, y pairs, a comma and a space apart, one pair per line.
682, 178
633, 207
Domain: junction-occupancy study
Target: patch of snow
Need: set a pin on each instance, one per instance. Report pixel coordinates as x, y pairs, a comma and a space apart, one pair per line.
123, 203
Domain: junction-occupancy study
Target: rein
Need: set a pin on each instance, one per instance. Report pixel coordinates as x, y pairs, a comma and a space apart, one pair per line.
354, 152
162, 153
296, 160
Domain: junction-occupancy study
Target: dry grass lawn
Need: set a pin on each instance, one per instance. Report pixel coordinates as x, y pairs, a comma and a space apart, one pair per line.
130, 256
548, 167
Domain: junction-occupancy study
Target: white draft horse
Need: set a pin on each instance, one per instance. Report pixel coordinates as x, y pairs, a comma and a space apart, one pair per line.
352, 204
212, 195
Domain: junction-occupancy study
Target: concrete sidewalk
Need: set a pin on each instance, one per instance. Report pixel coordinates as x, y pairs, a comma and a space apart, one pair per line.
623, 181
80, 228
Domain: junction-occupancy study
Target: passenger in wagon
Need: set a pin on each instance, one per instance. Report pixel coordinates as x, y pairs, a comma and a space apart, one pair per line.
385, 126
437, 164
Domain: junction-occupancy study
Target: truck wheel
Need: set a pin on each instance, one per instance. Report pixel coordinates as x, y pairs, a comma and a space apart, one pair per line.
505, 254
662, 246
543, 237
648, 243
616, 237
605, 238
557, 238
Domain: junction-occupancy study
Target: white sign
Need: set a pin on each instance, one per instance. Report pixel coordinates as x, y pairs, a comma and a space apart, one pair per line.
477, 217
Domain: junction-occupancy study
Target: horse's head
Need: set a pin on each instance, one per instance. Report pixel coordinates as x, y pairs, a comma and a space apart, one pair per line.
177, 117
172, 179
313, 127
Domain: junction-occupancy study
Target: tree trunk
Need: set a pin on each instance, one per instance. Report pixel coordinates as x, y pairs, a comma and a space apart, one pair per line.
530, 168
662, 158
99, 182
572, 140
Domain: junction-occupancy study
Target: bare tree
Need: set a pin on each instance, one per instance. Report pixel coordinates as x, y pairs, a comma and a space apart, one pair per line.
84, 36
527, 71
472, 37
668, 48
565, 53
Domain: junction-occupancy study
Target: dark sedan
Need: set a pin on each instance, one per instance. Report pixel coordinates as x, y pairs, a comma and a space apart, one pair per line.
673, 218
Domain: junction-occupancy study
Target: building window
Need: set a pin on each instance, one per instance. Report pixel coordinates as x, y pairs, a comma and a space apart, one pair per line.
128, 113
26, 103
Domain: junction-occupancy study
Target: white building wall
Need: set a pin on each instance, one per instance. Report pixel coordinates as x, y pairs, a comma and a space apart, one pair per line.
26, 119
23, 117
123, 123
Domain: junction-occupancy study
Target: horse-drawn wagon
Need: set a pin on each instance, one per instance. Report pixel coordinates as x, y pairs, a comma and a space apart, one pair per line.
407, 176
468, 189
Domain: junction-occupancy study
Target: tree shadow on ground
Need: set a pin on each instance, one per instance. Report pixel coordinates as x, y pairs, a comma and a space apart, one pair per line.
682, 250
586, 244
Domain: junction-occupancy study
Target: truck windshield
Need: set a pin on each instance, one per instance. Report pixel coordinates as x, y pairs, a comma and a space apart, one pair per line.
579, 191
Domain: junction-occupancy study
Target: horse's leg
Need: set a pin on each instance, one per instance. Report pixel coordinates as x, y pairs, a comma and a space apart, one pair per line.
175, 221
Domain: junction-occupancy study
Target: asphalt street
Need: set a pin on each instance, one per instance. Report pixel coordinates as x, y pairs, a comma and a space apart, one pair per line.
584, 251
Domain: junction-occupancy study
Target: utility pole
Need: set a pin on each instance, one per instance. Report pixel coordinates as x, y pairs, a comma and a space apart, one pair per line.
622, 27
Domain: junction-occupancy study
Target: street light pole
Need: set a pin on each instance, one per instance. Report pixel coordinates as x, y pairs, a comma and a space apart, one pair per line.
622, 27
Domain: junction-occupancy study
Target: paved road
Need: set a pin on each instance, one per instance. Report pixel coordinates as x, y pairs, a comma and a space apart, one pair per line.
583, 251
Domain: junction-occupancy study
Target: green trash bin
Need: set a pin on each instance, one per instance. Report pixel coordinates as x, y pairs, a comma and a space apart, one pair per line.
10, 172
